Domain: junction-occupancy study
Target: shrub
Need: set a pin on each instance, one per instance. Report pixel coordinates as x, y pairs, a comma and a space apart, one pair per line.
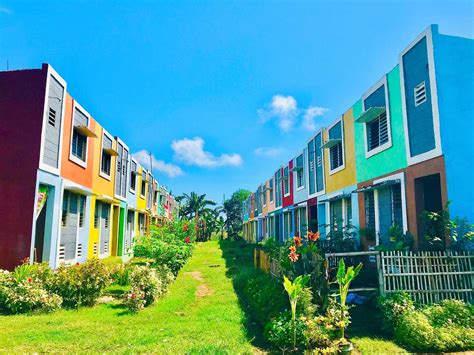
80, 285
166, 277
25, 295
444, 327
146, 287
279, 331
170, 245
120, 274
393, 306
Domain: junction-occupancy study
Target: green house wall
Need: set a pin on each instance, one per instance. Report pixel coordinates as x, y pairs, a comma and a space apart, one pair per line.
393, 158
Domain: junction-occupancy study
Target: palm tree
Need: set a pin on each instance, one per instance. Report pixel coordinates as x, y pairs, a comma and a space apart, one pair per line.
194, 206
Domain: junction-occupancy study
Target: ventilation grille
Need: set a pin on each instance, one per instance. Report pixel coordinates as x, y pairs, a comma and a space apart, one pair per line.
95, 249
420, 93
52, 117
320, 160
106, 247
62, 253
79, 250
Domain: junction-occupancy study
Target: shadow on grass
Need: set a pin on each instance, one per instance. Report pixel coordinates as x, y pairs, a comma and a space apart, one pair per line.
252, 286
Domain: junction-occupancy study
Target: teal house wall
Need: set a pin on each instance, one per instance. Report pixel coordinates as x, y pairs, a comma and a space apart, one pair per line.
393, 158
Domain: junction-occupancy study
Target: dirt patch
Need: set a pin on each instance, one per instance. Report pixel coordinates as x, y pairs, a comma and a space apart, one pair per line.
203, 290
196, 275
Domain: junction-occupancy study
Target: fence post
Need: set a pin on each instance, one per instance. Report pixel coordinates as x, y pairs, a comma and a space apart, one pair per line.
380, 273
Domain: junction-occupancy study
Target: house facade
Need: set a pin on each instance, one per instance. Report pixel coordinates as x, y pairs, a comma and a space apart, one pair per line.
401, 150
70, 186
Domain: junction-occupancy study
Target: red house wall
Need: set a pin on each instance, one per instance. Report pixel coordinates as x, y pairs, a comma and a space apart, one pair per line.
288, 201
21, 117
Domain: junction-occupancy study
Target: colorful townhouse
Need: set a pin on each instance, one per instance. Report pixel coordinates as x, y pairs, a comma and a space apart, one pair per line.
402, 149
72, 190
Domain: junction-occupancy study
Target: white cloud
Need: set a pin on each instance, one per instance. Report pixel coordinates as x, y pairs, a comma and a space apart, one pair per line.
191, 152
267, 152
169, 169
5, 10
287, 113
310, 114
283, 108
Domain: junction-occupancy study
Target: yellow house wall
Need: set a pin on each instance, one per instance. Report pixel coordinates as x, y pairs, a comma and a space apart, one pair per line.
347, 176
100, 187
141, 201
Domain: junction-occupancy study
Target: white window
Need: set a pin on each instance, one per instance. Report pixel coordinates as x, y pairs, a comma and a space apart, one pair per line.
420, 93
300, 172
286, 181
271, 190
79, 145
377, 132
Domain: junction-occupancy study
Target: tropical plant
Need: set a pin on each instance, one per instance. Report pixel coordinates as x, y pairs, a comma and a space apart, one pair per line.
195, 206
233, 210
344, 278
294, 289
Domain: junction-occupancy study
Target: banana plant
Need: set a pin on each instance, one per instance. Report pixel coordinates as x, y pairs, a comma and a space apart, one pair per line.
344, 278
293, 289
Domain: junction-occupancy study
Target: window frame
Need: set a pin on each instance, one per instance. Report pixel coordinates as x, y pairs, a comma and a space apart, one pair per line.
300, 171
143, 196
286, 180
134, 174
271, 189
101, 173
388, 144
343, 166
72, 157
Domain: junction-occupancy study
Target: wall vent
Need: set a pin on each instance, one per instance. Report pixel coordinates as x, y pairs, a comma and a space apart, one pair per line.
62, 252
420, 93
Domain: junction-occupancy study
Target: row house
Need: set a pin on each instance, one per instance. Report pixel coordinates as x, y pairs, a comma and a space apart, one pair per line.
72, 190
402, 149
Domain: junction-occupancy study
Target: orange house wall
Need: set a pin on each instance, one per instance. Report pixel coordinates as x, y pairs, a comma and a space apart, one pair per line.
69, 169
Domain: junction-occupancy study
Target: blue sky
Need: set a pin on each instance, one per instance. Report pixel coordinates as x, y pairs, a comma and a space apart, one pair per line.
221, 92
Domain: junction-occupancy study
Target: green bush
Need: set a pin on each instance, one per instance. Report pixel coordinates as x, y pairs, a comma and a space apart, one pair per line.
442, 327
120, 274
25, 294
392, 307
80, 284
170, 245
279, 332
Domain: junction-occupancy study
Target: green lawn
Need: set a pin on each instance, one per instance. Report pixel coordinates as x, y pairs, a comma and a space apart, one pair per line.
205, 311
200, 309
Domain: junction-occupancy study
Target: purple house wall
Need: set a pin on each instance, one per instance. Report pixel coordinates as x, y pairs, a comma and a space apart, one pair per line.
22, 96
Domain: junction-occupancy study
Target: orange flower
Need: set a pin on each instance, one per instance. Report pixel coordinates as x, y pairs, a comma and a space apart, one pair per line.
298, 241
313, 236
292, 249
293, 256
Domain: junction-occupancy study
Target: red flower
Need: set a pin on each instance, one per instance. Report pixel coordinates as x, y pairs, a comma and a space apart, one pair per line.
293, 256
133, 296
25, 260
197, 227
77, 263
29, 279
298, 242
187, 240
185, 227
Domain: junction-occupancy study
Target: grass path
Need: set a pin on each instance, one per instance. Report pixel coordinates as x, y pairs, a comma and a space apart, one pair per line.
201, 308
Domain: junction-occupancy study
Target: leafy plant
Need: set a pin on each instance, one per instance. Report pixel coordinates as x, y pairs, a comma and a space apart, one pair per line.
284, 333
392, 307
80, 284
344, 278
294, 290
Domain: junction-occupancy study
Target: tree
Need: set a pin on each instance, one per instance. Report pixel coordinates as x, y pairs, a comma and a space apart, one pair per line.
193, 206
233, 211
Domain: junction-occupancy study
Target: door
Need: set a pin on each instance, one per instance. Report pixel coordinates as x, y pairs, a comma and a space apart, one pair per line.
104, 228
69, 227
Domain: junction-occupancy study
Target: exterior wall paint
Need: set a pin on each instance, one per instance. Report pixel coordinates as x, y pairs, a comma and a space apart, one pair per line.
141, 201
393, 158
430, 167
454, 62
22, 96
288, 200
346, 176
301, 195
69, 169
